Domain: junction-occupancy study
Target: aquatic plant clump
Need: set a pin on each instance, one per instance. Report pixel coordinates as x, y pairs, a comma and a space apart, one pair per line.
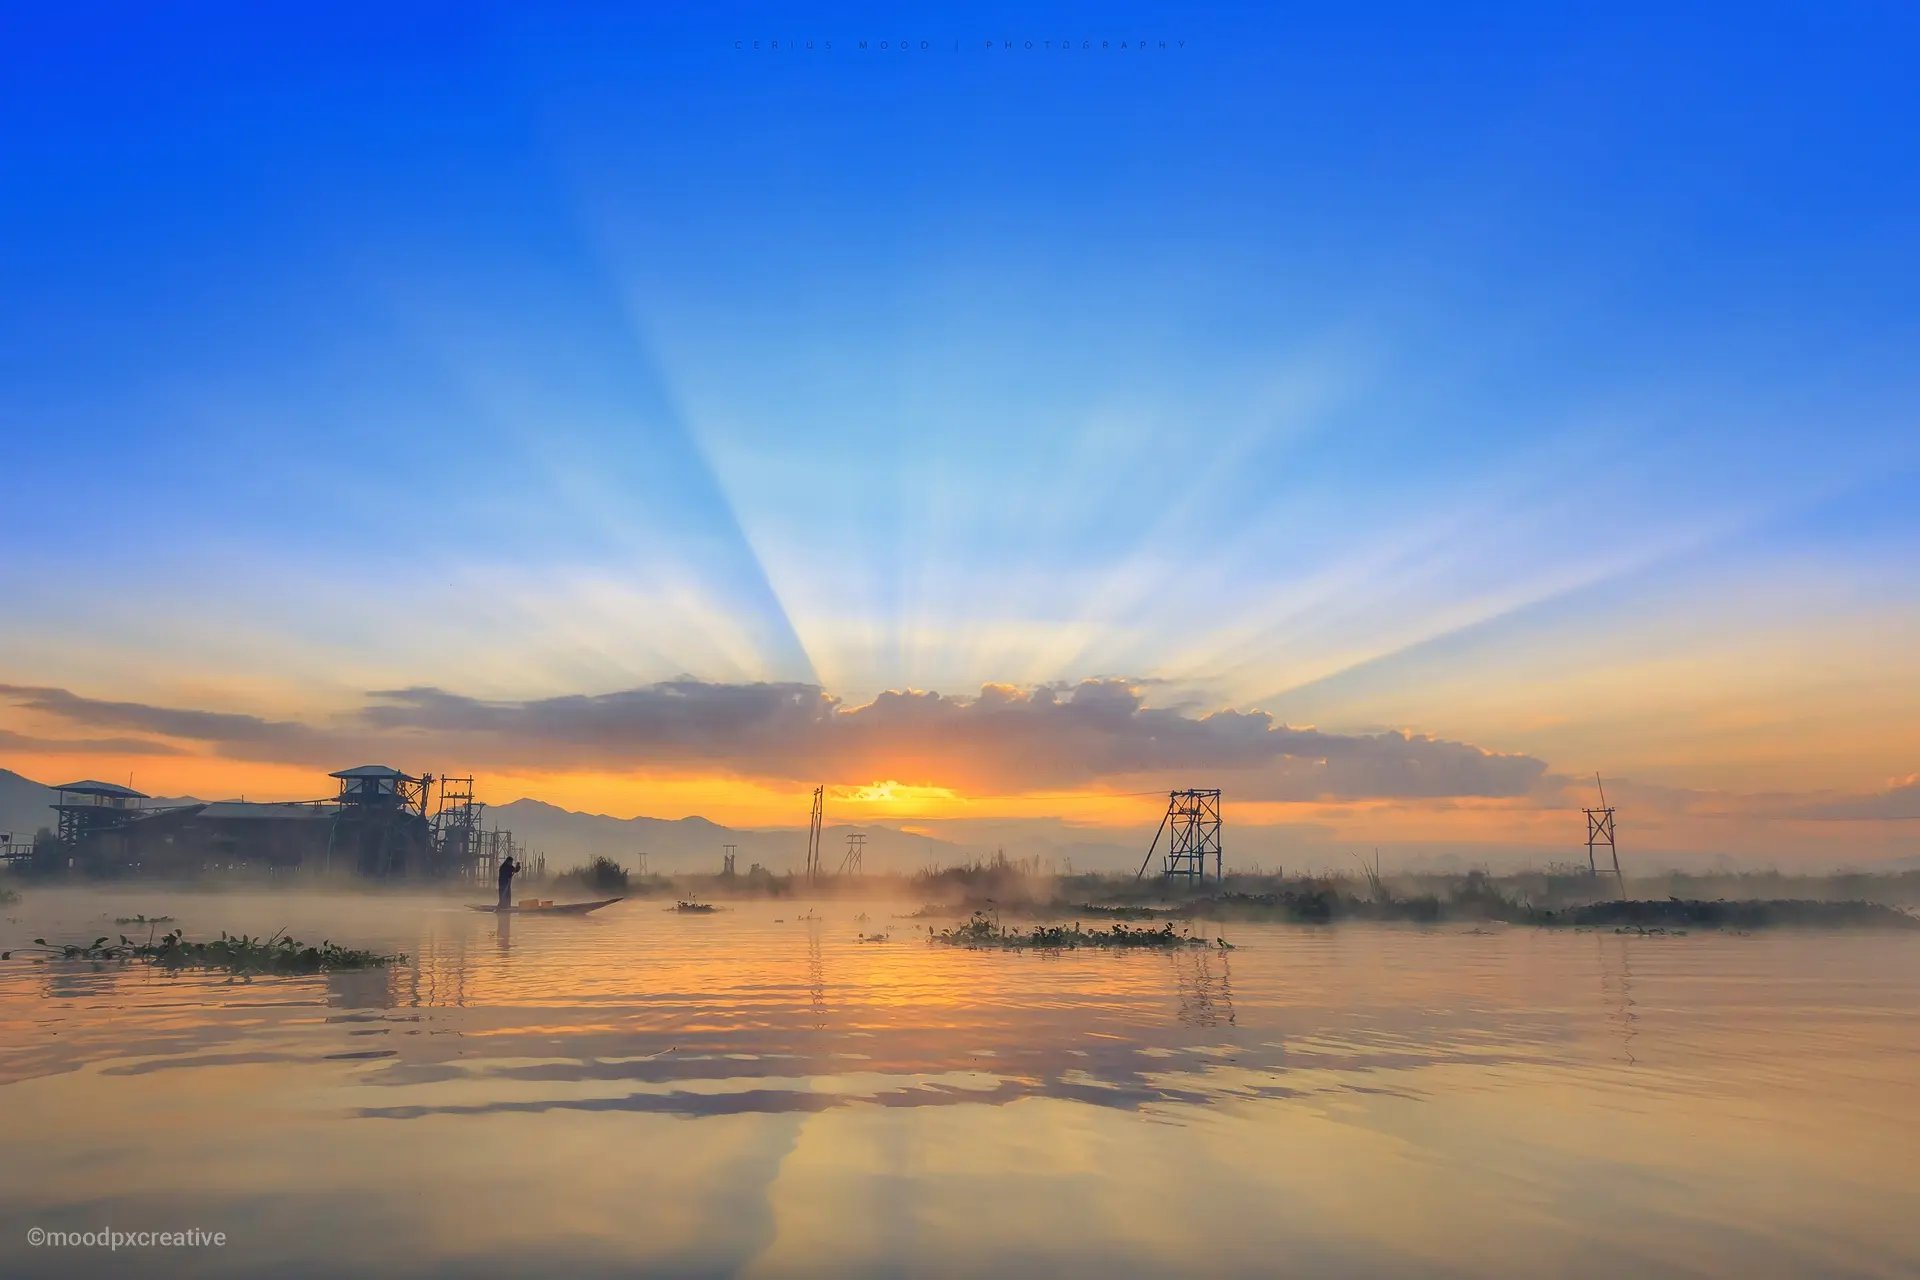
143, 919
983, 933
695, 908
243, 954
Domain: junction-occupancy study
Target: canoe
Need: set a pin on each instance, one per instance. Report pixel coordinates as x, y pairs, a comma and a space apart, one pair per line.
557, 909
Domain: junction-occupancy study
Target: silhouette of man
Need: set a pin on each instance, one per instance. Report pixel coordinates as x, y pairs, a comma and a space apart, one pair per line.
508, 870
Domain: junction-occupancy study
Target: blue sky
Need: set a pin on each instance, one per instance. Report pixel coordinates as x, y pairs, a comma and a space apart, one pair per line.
1336, 358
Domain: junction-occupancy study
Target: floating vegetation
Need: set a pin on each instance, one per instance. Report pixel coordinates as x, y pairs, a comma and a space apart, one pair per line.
876, 937
982, 932
143, 920
695, 908
8, 896
242, 954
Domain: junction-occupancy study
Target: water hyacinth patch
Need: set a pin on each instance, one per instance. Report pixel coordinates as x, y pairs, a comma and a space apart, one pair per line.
241, 954
983, 933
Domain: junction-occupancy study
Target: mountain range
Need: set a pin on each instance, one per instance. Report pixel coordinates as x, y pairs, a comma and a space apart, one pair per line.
697, 844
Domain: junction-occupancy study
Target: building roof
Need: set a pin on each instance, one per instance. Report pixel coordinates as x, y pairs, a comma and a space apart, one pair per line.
244, 810
89, 787
373, 771
159, 817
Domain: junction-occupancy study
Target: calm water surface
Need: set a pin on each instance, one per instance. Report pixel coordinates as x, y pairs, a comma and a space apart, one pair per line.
752, 1093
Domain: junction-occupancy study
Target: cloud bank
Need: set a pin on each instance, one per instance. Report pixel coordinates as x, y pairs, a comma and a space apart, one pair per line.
1004, 739
1900, 802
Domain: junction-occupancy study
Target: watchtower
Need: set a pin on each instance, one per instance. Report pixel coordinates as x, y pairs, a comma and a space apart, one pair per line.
88, 807
369, 788
380, 821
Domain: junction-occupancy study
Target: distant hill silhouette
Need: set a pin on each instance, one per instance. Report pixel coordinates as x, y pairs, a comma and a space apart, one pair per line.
25, 805
695, 844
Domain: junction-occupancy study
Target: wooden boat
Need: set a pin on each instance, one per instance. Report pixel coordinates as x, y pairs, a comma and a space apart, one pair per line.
552, 908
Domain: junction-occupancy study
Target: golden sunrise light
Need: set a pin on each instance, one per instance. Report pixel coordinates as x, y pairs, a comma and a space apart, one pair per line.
971, 641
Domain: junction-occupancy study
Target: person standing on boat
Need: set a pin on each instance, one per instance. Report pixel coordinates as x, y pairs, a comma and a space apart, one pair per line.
508, 870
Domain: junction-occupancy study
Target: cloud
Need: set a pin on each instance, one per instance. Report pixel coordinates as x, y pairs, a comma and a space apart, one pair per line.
168, 722
1897, 801
1002, 739
1900, 801
11, 741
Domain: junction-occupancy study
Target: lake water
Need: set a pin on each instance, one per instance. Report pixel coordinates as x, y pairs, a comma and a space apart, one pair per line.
750, 1093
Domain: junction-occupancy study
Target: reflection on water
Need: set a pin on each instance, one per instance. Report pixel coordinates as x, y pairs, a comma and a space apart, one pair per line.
816, 976
755, 1093
1206, 999
1616, 989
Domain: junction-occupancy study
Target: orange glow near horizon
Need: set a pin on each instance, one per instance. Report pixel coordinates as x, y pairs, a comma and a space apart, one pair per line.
203, 777
722, 798
1526, 825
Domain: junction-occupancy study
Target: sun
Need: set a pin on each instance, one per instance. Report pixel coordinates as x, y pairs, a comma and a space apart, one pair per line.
892, 796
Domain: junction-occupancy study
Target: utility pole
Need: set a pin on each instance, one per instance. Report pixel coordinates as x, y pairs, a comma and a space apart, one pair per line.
1600, 836
813, 835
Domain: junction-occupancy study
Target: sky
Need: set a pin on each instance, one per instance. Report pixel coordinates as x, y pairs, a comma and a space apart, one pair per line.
1390, 416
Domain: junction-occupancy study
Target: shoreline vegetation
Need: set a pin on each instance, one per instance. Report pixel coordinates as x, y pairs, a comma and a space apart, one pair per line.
1558, 897
1319, 907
